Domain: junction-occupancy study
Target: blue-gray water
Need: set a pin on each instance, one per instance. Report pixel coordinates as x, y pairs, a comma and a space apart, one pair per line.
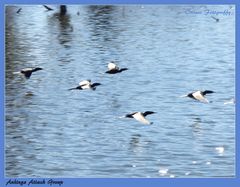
169, 50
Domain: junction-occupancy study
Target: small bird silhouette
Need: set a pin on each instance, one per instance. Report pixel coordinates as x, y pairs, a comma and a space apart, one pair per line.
19, 10
113, 68
48, 8
199, 95
27, 72
139, 116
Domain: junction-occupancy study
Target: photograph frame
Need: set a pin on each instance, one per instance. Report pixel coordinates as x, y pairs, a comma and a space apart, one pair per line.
140, 182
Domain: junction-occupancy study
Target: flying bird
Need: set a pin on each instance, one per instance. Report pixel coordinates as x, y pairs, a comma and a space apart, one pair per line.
19, 10
113, 68
139, 116
27, 72
216, 19
199, 95
86, 84
48, 8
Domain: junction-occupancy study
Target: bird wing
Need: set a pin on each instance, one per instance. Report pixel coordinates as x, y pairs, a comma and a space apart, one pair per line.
96, 84
28, 74
27, 69
207, 92
19, 10
198, 95
147, 113
139, 117
48, 8
112, 66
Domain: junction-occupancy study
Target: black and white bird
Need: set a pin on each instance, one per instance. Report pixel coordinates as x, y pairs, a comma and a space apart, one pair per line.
113, 68
139, 116
86, 84
27, 72
199, 95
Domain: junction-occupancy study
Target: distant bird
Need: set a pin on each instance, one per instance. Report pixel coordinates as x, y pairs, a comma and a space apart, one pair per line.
86, 84
139, 116
219, 150
48, 8
216, 19
113, 68
19, 10
27, 72
199, 95
232, 101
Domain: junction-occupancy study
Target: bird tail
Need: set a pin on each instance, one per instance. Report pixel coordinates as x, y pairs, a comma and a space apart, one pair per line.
205, 100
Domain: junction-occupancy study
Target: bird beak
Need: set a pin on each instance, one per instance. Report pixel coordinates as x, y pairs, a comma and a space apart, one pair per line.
183, 96
121, 117
18, 72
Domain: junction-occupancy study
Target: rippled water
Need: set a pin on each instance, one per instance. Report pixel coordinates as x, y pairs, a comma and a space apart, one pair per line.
53, 132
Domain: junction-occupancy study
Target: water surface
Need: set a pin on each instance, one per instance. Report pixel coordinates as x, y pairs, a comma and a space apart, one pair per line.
53, 132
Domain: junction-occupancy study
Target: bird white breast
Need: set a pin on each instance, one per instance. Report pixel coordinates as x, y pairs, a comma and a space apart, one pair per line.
86, 84
198, 95
139, 117
27, 69
112, 66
